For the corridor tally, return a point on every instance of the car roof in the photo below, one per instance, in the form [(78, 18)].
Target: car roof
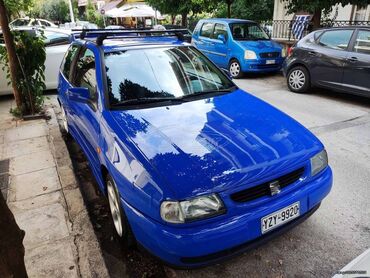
[(228, 20), (344, 27)]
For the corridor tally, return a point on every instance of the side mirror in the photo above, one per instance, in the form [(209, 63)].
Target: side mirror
[(221, 38), (79, 94)]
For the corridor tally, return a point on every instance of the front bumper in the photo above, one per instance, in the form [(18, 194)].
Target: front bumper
[(260, 65), (209, 242)]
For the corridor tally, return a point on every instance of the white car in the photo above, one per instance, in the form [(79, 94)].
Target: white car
[(56, 44), (31, 22)]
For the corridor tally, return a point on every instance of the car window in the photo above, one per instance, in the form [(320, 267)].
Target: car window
[(56, 38), (85, 75), (362, 43), (20, 22), (206, 30), (68, 59), (45, 23), (248, 31), (35, 22), (220, 29), (166, 72), (336, 39)]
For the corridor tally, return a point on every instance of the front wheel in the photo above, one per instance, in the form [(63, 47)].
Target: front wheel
[(120, 221), (298, 80), (235, 69)]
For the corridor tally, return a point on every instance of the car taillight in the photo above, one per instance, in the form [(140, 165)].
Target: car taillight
[(290, 51)]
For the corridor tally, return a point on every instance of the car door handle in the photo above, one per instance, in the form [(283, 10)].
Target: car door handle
[(352, 59), (312, 53)]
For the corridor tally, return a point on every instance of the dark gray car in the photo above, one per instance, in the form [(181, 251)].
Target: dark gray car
[(335, 58)]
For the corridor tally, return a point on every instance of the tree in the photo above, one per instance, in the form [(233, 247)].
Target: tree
[(183, 7), (316, 7), (258, 10), (10, 47), (228, 3), (51, 10)]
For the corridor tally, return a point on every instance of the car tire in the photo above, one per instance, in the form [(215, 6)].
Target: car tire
[(298, 80), (235, 69), (64, 119), (120, 222)]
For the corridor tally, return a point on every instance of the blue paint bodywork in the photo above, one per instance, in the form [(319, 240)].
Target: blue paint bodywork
[(221, 144), (221, 53)]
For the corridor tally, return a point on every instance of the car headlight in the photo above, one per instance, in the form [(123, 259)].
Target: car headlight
[(319, 162), (250, 55), (283, 52), (193, 209)]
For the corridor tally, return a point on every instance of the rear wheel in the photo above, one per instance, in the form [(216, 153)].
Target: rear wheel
[(64, 120), (235, 69), (298, 80), (120, 221)]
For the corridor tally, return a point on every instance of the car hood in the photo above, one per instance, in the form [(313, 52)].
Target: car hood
[(216, 144), (260, 46)]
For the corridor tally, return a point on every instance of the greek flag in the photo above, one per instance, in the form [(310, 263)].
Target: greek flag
[(299, 25)]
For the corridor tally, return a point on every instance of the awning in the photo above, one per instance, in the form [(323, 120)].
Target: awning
[(133, 10), (111, 5)]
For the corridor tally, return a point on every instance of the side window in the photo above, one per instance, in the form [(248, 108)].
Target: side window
[(362, 43), (85, 75), (337, 39), (68, 59), (55, 38), (45, 23), (206, 30), (220, 29)]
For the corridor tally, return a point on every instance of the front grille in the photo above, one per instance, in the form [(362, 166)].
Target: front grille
[(269, 54), (264, 189)]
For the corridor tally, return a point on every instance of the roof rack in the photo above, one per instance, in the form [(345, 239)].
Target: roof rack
[(103, 34)]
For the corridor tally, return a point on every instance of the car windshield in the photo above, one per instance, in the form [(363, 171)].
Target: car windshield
[(162, 73), (248, 31), (20, 22)]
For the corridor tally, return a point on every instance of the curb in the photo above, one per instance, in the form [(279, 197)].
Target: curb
[(89, 256)]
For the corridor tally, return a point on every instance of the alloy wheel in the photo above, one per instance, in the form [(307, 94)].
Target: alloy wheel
[(297, 79), (115, 209)]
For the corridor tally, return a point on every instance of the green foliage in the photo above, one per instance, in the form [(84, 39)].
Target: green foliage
[(54, 10), (31, 55), (92, 15), (14, 7), (319, 5), (259, 10)]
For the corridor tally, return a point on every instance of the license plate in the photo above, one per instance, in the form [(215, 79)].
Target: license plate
[(279, 217), (269, 62)]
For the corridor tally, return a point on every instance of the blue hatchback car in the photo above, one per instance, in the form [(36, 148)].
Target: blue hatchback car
[(238, 45), (194, 168)]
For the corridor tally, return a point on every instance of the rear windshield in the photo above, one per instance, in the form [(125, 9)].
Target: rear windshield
[(164, 72), (248, 32)]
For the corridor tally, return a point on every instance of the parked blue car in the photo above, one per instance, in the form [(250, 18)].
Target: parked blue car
[(238, 45), (194, 168)]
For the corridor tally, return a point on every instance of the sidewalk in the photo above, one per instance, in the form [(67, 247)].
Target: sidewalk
[(44, 197)]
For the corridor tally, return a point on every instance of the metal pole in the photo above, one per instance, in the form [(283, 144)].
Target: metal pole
[(71, 11)]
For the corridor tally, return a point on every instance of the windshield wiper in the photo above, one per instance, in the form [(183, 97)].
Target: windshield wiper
[(137, 101), (213, 92)]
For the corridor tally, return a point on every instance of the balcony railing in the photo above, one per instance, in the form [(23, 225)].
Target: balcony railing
[(282, 29)]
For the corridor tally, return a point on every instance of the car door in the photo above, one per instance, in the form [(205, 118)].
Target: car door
[(204, 39), (357, 66), (218, 49), (86, 115), (326, 60), (56, 45)]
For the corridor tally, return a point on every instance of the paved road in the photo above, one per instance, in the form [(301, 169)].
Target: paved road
[(340, 229)]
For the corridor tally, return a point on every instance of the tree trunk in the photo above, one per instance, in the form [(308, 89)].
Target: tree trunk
[(10, 47), (316, 19), (228, 9), (184, 19), (11, 246)]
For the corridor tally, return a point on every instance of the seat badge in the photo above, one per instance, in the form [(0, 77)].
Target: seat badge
[(274, 188)]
